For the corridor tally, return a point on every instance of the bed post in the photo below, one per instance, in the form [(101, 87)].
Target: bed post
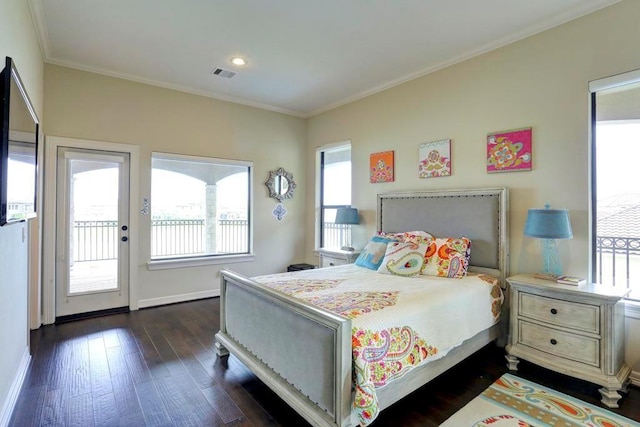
[(221, 351)]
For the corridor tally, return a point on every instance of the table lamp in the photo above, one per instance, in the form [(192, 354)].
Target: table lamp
[(347, 216), (549, 224)]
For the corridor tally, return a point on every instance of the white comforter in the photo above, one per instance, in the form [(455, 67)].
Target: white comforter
[(397, 322)]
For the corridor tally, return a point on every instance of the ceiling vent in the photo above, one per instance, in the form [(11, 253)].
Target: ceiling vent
[(223, 73)]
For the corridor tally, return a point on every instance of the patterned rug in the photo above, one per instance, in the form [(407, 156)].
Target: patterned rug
[(512, 401)]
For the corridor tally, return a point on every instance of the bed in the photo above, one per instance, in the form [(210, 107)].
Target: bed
[(303, 350)]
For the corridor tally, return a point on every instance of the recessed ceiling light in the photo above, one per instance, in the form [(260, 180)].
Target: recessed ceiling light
[(238, 60)]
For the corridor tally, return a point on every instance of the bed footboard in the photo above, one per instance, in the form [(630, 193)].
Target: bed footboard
[(313, 373)]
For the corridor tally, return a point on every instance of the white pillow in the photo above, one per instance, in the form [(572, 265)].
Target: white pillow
[(403, 259)]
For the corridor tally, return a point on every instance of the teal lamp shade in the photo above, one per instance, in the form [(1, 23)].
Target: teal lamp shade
[(548, 225), (347, 216)]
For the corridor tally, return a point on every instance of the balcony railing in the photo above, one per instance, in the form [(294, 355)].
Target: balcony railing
[(95, 240), (336, 235), (231, 236), (98, 240), (618, 262), (177, 237)]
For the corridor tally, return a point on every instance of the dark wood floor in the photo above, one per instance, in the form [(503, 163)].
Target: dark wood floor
[(157, 367)]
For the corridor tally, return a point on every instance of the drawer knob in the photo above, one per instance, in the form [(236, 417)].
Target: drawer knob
[(554, 311), (331, 264), (553, 341)]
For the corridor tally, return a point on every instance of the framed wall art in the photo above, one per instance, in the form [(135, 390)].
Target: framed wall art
[(509, 151), (435, 159), (381, 167)]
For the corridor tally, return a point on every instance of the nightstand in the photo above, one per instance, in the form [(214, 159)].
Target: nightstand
[(574, 330), (331, 257)]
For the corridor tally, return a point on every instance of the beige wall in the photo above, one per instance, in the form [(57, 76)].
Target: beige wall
[(17, 40), (91, 106), (541, 82)]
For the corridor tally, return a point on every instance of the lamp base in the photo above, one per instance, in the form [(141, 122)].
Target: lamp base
[(551, 263)]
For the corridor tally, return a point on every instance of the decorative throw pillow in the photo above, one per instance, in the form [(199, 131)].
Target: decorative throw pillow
[(403, 259), (447, 257), (416, 237), (372, 255), (393, 236)]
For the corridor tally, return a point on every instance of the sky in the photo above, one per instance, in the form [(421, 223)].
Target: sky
[(618, 155), (337, 184)]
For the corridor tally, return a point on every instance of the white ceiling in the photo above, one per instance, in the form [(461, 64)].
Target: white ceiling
[(305, 56)]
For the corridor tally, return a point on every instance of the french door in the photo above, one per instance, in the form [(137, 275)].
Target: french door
[(92, 233)]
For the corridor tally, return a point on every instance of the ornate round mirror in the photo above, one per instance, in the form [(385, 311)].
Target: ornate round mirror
[(280, 184)]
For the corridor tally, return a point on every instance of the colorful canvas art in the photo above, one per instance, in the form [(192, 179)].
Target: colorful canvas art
[(509, 151), (435, 159), (381, 167)]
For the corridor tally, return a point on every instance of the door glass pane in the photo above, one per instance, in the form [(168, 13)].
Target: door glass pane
[(93, 224)]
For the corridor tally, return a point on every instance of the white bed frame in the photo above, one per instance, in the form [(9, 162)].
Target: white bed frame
[(303, 352)]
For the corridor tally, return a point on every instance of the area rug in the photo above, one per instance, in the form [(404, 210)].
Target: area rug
[(512, 401)]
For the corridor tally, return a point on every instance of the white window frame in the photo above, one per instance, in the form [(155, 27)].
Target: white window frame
[(212, 259), (632, 308), (318, 187)]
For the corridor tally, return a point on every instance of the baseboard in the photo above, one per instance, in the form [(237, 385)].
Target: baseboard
[(14, 391), (635, 378), (152, 302), (91, 314)]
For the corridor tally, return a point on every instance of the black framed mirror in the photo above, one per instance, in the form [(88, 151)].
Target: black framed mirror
[(18, 149)]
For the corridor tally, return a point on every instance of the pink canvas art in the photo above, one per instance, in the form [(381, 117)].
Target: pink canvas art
[(509, 151)]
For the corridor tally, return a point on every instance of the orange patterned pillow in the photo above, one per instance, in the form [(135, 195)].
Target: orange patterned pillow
[(447, 257)]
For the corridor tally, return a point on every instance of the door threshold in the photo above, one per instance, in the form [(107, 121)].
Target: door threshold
[(91, 314)]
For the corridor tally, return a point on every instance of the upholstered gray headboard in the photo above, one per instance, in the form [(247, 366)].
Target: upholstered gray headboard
[(479, 214)]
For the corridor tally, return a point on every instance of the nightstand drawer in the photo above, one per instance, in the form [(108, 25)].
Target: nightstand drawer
[(583, 317), (564, 344), (327, 261), (331, 257)]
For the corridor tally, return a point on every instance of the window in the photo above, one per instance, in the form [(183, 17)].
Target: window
[(334, 166), (200, 207), (615, 194)]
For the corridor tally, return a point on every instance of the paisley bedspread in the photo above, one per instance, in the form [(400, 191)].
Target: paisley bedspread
[(397, 322)]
